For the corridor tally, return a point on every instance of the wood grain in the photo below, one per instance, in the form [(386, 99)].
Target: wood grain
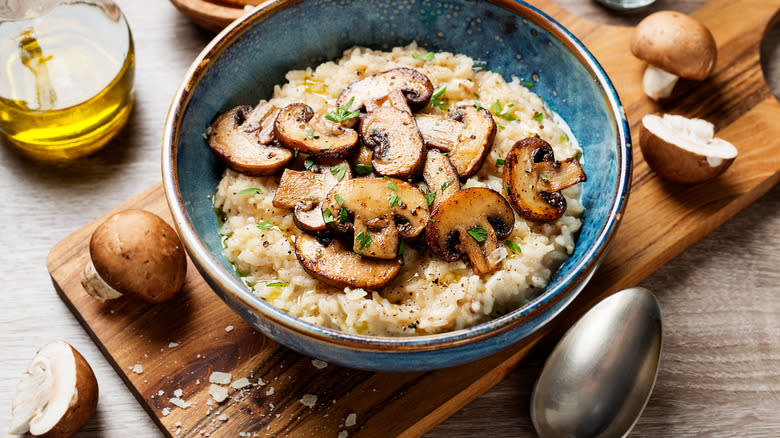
[(411, 403)]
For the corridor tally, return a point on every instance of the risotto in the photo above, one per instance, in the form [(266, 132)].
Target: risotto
[(428, 295)]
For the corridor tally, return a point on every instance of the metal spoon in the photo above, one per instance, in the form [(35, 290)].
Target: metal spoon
[(599, 377)]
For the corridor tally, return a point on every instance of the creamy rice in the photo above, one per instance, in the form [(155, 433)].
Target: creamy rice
[(429, 295)]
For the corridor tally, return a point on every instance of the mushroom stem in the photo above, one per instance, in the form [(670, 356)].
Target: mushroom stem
[(658, 83), (95, 285)]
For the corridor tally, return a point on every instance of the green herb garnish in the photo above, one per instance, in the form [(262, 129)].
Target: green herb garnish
[(544, 178), (250, 191), (513, 246), (528, 84), (578, 155), (496, 107), (436, 98), (308, 163), (478, 105), (363, 169), (538, 117), (401, 248), (277, 284), (339, 199), (265, 225), (424, 56), (392, 186), (338, 171), (446, 184), (363, 240), (327, 216), (429, 197), (394, 199), (343, 113), (343, 216), (309, 134), (500, 162), (478, 233)]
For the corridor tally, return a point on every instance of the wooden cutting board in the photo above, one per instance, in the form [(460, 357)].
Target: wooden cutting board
[(179, 344)]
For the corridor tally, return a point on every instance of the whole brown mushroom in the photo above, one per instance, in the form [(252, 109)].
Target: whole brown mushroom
[(135, 253), (674, 45)]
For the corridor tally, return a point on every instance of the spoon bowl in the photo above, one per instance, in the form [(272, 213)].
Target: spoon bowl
[(599, 377)]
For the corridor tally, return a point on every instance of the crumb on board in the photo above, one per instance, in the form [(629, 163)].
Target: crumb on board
[(219, 393), (319, 364), (137, 368), (220, 378), (308, 400), (351, 420)]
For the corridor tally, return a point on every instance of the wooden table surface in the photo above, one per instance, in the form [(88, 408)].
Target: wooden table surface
[(720, 373)]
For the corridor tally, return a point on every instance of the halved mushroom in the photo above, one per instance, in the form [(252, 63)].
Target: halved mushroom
[(398, 147), (378, 211), (674, 45), (440, 176), (470, 222), (57, 395), (336, 265), (304, 191), (534, 179), (684, 150), (298, 127), (467, 134), (415, 87), (243, 138)]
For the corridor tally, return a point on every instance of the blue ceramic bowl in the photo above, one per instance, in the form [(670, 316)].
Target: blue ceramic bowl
[(244, 62)]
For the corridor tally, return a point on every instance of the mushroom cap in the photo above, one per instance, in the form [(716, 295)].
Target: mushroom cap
[(298, 127), (57, 395), (415, 87), (470, 222), (337, 265), (533, 179), (677, 43), (684, 150), (398, 147), (140, 255), (243, 139)]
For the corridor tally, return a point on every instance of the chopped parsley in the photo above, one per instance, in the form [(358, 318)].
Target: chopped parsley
[(392, 186), (478, 233), (578, 156), (277, 284), (424, 56), (528, 84), (436, 99), (446, 184), (496, 107), (538, 117), (500, 162), (363, 169), (544, 178), (265, 225), (478, 105), (339, 199), (513, 246), (401, 248), (309, 134), (327, 216), (394, 199), (343, 113), (338, 171), (429, 197), (250, 191), (363, 240), (343, 216), (308, 163)]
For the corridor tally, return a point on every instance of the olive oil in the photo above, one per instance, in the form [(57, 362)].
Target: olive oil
[(66, 82)]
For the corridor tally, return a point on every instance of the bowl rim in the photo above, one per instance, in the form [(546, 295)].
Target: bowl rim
[(569, 284)]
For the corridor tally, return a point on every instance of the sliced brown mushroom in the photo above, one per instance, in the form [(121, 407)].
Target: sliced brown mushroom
[(533, 179), (415, 87), (467, 134), (304, 191), (243, 138), (336, 265), (298, 127), (398, 148), (470, 222), (440, 176), (378, 211)]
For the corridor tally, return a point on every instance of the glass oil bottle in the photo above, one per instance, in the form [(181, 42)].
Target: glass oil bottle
[(66, 76)]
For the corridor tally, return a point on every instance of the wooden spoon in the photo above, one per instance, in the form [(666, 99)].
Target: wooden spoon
[(213, 15)]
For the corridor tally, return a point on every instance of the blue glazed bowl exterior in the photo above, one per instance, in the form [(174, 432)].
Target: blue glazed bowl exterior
[(244, 62)]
